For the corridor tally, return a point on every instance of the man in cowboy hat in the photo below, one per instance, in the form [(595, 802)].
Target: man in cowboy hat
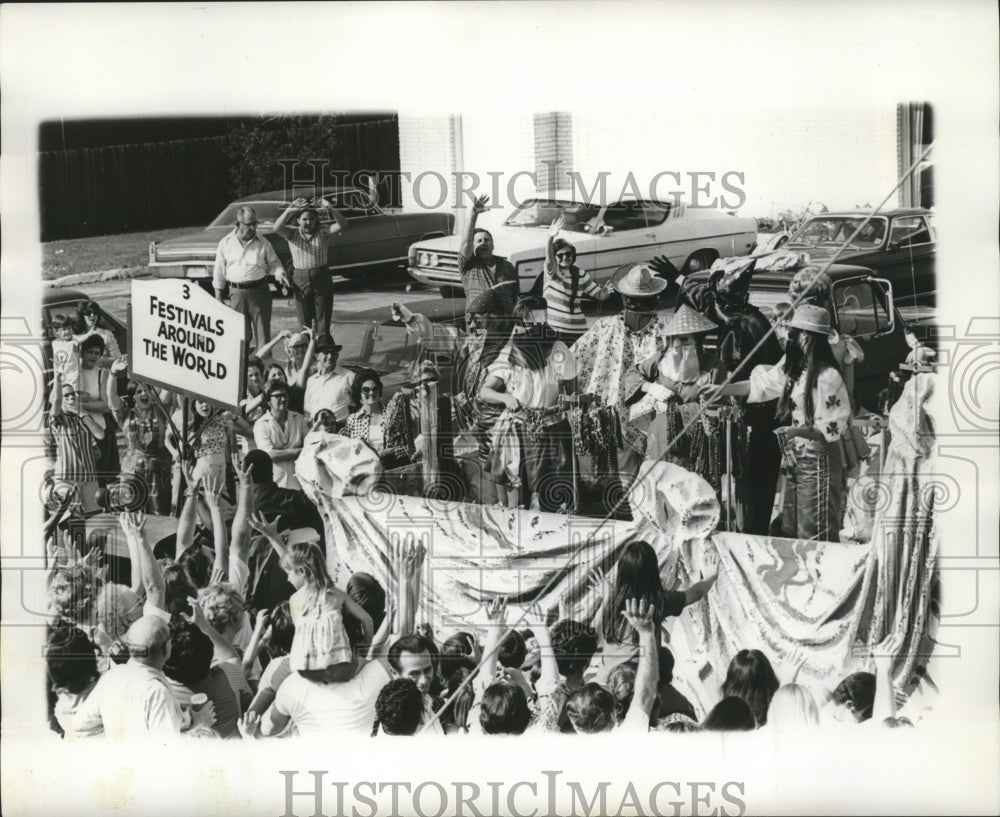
[(746, 340), (607, 354), (327, 388)]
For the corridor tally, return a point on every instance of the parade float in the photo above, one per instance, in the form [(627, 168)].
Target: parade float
[(815, 608)]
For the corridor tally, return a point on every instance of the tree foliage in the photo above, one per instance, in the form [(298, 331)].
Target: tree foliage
[(261, 152)]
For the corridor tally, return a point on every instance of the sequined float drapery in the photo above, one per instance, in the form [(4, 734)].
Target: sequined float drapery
[(818, 604)]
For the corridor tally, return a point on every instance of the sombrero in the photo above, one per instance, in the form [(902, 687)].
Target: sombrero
[(637, 281), (686, 321)]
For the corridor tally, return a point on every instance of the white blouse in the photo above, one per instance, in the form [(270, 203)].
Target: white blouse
[(831, 404)]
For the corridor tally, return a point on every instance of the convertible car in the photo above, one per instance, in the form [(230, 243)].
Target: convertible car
[(373, 239), (605, 236)]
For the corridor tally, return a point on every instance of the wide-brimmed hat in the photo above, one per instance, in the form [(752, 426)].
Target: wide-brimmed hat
[(811, 318), (487, 302), (637, 281), (687, 321), (531, 303), (326, 344)]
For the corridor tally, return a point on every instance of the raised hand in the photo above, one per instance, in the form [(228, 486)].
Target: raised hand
[(132, 523), (710, 571), (204, 716), (213, 487), (662, 266), (249, 725), (263, 619), (197, 615), (120, 365), (496, 611), (884, 653), (265, 528), (301, 202), (480, 203), (556, 226), (639, 613)]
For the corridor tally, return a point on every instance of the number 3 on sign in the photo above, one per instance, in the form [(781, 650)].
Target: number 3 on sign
[(187, 291)]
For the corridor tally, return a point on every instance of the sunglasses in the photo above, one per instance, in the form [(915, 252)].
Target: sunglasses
[(564, 255), (369, 391)]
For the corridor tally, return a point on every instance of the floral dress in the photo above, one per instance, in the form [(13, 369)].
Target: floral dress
[(211, 444), (812, 459), (146, 456)]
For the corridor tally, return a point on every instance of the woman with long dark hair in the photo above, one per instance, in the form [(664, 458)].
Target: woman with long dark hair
[(751, 677), (814, 409), (637, 576)]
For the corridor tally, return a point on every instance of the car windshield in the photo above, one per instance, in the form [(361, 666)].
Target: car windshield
[(542, 212), (267, 213), (838, 229), (351, 204)]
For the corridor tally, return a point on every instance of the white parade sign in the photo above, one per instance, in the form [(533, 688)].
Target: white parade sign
[(183, 339)]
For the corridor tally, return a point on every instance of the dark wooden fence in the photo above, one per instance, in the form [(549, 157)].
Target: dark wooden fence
[(127, 188)]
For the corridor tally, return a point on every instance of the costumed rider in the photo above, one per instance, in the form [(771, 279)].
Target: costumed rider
[(530, 459), (815, 408), (606, 356), (746, 340), (674, 377)]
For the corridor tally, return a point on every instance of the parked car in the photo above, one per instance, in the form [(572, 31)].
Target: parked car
[(374, 238), (373, 339), (898, 245), (58, 301), (605, 236)]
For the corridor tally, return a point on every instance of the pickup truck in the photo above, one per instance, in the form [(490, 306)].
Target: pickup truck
[(863, 307)]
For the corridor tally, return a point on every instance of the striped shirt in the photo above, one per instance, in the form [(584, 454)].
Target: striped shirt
[(563, 310), (309, 253), (477, 277), (74, 448)]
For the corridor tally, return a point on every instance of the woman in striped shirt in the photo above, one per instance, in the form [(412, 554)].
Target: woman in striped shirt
[(565, 284)]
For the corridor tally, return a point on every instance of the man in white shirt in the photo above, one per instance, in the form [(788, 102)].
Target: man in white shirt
[(134, 699), (327, 388), (243, 260), (321, 709), (280, 433)]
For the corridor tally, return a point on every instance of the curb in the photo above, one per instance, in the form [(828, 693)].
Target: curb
[(121, 274)]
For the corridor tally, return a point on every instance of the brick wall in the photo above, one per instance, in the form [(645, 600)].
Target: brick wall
[(553, 150), (425, 145)]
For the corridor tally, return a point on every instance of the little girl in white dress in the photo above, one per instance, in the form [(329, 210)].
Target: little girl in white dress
[(317, 608)]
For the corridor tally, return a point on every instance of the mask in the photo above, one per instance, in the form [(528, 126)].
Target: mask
[(680, 363)]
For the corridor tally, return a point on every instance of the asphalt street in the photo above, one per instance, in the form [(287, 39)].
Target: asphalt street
[(349, 298)]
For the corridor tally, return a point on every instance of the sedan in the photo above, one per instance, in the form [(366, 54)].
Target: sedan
[(374, 238), (606, 236)]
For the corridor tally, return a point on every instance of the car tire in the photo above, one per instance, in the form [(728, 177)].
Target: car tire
[(705, 259)]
